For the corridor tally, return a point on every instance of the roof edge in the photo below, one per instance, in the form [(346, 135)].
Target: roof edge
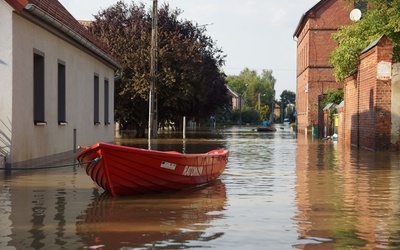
[(371, 45), (301, 23), (38, 12), (17, 5)]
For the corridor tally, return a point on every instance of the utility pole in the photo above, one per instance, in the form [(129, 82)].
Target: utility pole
[(271, 116), (153, 116)]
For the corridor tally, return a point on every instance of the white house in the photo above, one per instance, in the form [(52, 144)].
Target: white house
[(57, 83)]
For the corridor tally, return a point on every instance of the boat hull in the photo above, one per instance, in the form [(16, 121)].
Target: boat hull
[(266, 129), (122, 170)]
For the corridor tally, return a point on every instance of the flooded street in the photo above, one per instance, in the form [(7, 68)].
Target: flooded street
[(277, 192)]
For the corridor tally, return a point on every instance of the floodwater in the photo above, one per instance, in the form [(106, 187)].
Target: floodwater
[(277, 192)]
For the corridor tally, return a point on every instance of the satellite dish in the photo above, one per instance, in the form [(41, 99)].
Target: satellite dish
[(355, 15)]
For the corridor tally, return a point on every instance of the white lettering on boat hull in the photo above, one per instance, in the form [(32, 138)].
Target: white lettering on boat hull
[(192, 171)]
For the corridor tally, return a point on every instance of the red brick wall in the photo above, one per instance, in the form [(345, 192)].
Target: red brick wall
[(383, 100), (367, 125), (348, 125), (367, 110), (314, 74), (341, 127)]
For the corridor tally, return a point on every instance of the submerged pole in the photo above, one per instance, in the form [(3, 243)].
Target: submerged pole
[(184, 127), (153, 116)]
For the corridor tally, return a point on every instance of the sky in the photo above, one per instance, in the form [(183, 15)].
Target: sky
[(254, 34)]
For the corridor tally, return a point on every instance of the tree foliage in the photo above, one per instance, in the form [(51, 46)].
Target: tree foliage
[(287, 97), (246, 115), (333, 96), (257, 90), (381, 18), (189, 80)]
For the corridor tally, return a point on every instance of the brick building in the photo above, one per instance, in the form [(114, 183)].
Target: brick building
[(370, 116), (314, 74)]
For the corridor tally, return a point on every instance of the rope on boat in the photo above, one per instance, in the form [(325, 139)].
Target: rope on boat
[(55, 166)]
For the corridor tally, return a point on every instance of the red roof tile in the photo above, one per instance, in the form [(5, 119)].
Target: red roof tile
[(18, 5), (58, 11)]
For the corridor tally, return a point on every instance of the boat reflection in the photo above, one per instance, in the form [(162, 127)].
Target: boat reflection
[(167, 220)]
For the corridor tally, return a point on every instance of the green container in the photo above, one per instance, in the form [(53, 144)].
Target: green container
[(314, 131)]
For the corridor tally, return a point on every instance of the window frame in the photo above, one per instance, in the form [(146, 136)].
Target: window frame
[(61, 93), (39, 85)]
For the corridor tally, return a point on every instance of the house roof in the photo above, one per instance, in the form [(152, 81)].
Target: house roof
[(231, 92), (306, 16), (329, 106), (54, 13), (17, 5), (371, 45)]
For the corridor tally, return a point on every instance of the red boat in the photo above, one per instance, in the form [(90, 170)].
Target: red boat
[(122, 170)]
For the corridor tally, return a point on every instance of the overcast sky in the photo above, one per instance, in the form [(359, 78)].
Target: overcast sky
[(257, 34)]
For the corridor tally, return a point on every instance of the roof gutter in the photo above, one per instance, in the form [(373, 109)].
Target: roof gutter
[(299, 26), (77, 37)]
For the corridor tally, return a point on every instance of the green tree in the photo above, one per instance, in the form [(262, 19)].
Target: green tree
[(287, 97), (248, 116), (381, 18), (333, 96), (189, 80), (257, 90)]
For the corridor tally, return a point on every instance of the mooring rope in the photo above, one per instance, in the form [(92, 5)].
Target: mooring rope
[(55, 166)]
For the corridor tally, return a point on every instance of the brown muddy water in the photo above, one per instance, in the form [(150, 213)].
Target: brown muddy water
[(277, 192)]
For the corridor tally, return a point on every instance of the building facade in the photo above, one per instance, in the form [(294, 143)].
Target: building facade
[(314, 74), (57, 88), (370, 116)]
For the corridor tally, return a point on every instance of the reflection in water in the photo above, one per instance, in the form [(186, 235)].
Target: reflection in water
[(277, 192), (195, 142), (5, 212), (169, 220), (347, 198), (41, 207)]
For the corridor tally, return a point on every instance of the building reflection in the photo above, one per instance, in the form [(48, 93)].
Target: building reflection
[(41, 207), (343, 197), (5, 212)]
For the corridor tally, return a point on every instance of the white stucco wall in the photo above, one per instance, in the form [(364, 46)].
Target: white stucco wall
[(30, 141), (6, 63)]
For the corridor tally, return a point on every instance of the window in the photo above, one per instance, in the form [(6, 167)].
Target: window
[(96, 100), (38, 88), (106, 102), (61, 94)]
